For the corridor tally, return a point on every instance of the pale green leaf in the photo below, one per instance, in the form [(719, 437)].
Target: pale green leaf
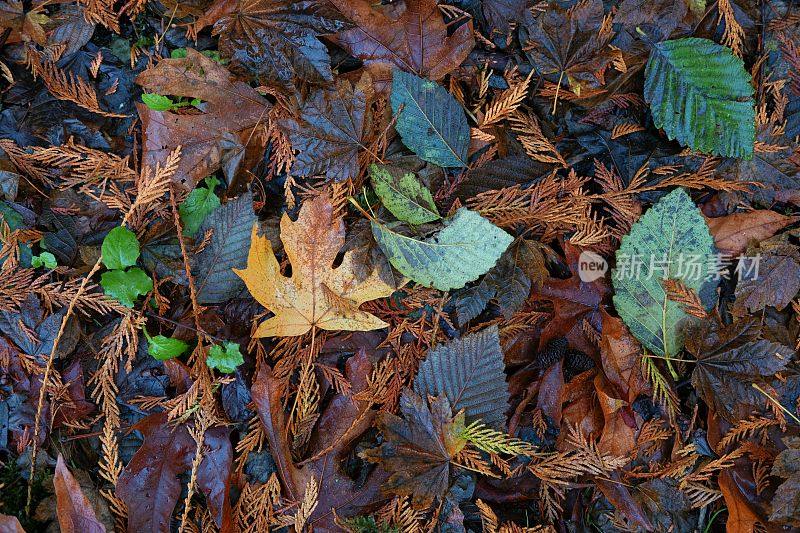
[(200, 203), (431, 121), (700, 94), (225, 357), (671, 240), (467, 247), (164, 348), (403, 195)]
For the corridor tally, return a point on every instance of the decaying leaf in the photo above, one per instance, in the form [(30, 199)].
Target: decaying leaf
[(786, 502), (418, 448), (316, 294), (411, 36), (733, 233), (222, 133), (74, 511)]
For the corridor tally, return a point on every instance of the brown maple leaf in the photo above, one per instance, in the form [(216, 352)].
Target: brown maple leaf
[(418, 448), (316, 294), (415, 39), (221, 135)]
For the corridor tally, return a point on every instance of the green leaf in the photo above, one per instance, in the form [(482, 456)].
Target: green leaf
[(431, 122), (200, 203), (44, 259), (467, 247), (403, 195), (120, 248), (700, 94), (157, 102), (225, 357), (470, 372), (126, 286), (671, 240), (163, 348)]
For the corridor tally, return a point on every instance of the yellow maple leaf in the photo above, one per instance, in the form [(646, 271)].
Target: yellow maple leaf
[(316, 294)]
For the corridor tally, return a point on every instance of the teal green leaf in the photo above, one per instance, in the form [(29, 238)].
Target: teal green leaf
[(674, 234), (200, 203), (403, 195), (44, 259), (700, 94), (120, 248), (157, 102), (126, 286), (10, 216), (431, 122), (225, 357), (163, 348), (467, 247)]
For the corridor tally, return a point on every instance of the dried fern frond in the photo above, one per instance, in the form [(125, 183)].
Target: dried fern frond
[(307, 505), (662, 391), (625, 128), (504, 106), (255, 510), (100, 12), (535, 143), (677, 291), (733, 36)]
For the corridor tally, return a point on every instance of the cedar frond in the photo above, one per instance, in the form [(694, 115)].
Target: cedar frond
[(701, 495), (489, 520), (493, 441), (506, 104), (625, 128), (307, 505), (733, 36), (686, 297), (662, 392), (14, 287), (65, 85), (100, 12), (746, 430), (535, 143), (255, 510), (471, 459)]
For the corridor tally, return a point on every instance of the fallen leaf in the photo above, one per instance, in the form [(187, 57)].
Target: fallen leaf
[(149, 483), (620, 357), (733, 233), (469, 372), (774, 281), (786, 502), (75, 513), (417, 450), (729, 361), (316, 294), (330, 132), (412, 37), (10, 524), (225, 129)]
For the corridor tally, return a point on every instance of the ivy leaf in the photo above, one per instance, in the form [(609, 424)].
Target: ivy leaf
[(200, 203), (230, 225), (329, 132), (415, 40), (316, 294), (431, 122), (729, 360), (669, 236), (120, 248), (403, 195), (225, 357), (700, 94), (470, 372), (164, 348), (467, 247), (126, 286), (44, 259)]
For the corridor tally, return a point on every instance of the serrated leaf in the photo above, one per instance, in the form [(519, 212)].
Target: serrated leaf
[(670, 236), (431, 122), (467, 247), (157, 102), (700, 94), (403, 195), (200, 203), (225, 357), (231, 225), (470, 372), (126, 286), (44, 259), (120, 248)]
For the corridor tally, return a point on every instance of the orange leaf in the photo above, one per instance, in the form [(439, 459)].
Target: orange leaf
[(732, 233), (316, 294)]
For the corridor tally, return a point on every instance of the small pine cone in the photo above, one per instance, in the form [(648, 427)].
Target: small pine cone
[(552, 353), (576, 362)]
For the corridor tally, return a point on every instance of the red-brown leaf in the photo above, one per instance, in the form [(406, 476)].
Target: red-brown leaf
[(732, 233), (74, 511)]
